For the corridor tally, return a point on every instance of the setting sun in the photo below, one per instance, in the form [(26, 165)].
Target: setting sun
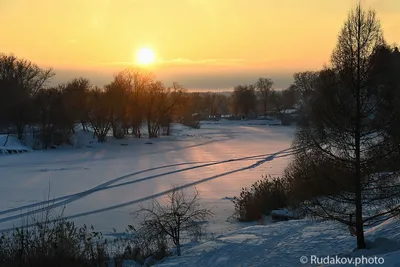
[(145, 56)]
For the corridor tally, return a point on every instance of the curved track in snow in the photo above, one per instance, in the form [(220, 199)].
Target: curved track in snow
[(222, 157)]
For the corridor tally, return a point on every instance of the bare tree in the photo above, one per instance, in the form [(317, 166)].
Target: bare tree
[(244, 99), (181, 216), (51, 114), (129, 87), (263, 88), (74, 95), (99, 113), (213, 102), (20, 80), (282, 102), (344, 147), (160, 103), (305, 82)]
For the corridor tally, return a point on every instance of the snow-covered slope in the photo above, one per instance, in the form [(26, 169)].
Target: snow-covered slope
[(12, 143), (284, 244)]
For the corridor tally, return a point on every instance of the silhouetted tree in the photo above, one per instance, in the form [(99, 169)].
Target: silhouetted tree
[(99, 113), (160, 105), (305, 82), (282, 101), (120, 101), (244, 99), (74, 97), (180, 217), (344, 146), (214, 101), (53, 116), (263, 89), (20, 80), (385, 66)]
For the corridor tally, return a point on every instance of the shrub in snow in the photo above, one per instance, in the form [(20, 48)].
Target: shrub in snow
[(191, 122), (180, 217), (262, 197), (283, 214), (45, 240), (53, 243), (139, 248)]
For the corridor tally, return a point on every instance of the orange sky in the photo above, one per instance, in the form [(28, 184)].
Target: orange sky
[(207, 44)]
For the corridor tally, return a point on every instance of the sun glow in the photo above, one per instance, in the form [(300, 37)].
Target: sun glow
[(145, 56)]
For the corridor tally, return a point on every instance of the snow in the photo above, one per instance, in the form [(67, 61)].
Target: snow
[(284, 213), (101, 184), (13, 144), (282, 244), (391, 259)]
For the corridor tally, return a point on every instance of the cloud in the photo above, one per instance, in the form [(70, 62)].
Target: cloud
[(212, 61), (225, 80), (209, 79), (180, 62), (114, 63)]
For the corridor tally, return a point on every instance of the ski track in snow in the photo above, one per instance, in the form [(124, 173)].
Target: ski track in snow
[(219, 136), (278, 244), (145, 153), (104, 186)]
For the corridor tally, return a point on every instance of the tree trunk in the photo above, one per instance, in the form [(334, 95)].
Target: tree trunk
[(101, 138), (114, 129), (8, 135), (149, 129), (178, 232), (83, 126), (265, 110), (178, 248), (357, 138), (169, 124), (20, 130)]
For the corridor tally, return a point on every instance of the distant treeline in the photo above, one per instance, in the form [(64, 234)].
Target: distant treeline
[(132, 99)]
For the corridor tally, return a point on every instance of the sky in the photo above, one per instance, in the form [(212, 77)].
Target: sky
[(202, 44)]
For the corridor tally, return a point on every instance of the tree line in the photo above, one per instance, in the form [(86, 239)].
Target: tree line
[(28, 103)]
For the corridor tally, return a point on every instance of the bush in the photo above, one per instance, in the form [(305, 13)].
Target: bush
[(262, 197), (181, 216), (57, 243), (191, 122), (46, 242)]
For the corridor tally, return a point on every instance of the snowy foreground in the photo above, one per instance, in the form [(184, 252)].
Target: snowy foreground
[(101, 184), (287, 244)]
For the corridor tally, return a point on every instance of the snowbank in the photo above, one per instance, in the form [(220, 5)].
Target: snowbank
[(285, 243), (284, 213), (13, 145)]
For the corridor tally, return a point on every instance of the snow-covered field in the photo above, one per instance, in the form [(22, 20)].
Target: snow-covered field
[(101, 184)]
